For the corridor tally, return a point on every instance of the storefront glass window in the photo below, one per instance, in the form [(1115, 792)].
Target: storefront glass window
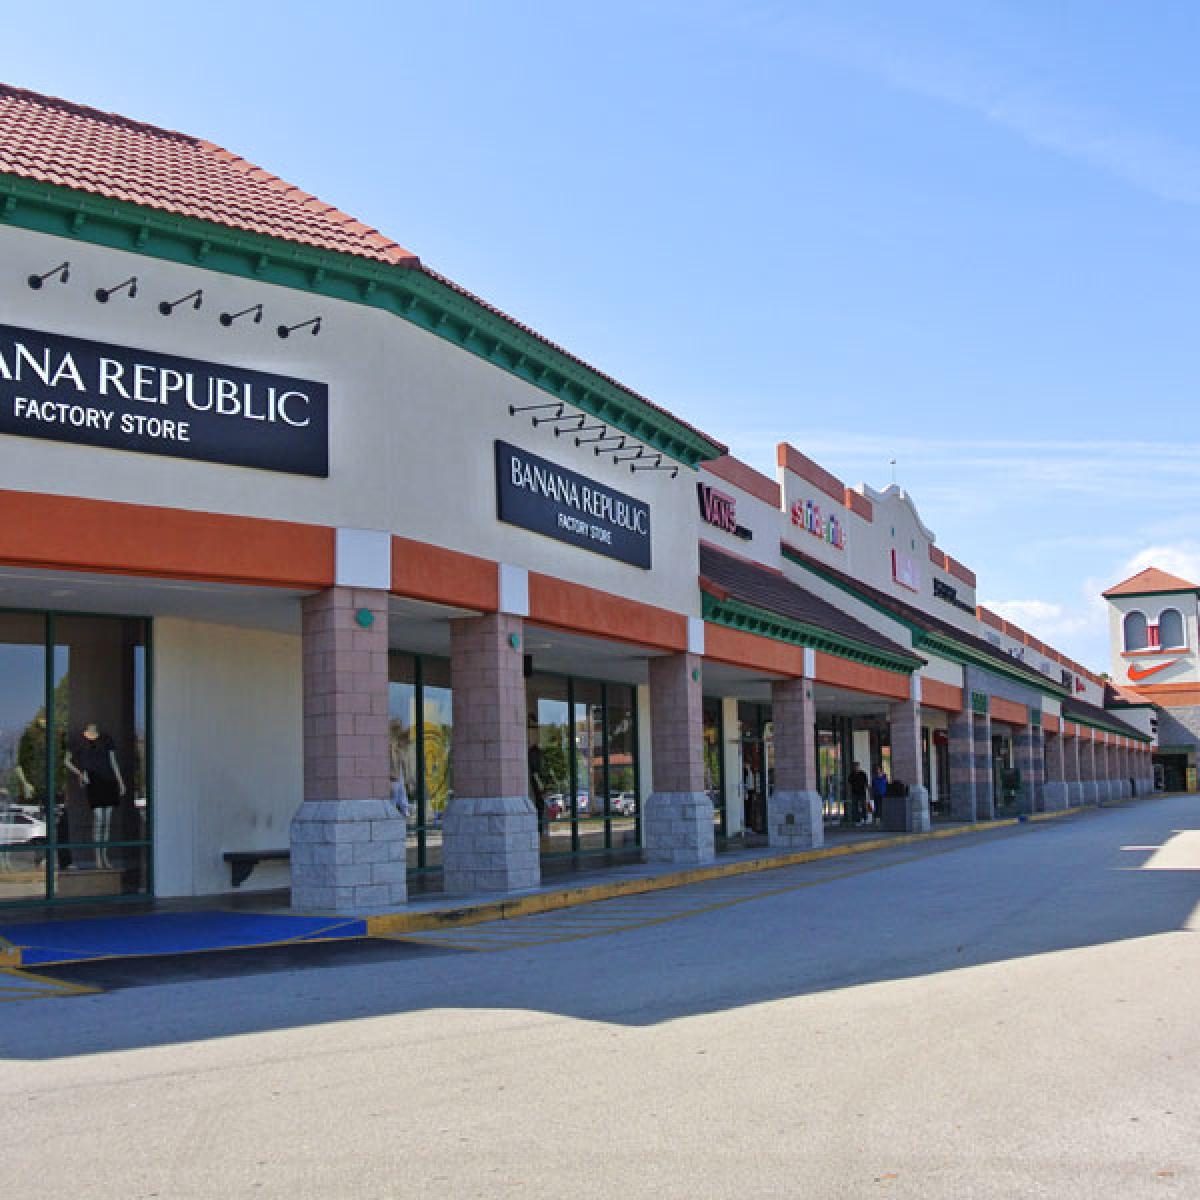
[(25, 809), (583, 764), (420, 730), (74, 798), (714, 763)]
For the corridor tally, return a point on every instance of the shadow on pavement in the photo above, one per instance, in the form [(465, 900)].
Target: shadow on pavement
[(1064, 885)]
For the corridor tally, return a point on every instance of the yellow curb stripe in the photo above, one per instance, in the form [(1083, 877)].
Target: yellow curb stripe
[(519, 906), (49, 986)]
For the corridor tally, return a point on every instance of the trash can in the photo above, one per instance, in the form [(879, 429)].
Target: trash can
[(895, 808)]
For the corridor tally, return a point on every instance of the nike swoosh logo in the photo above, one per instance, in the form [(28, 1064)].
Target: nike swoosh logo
[(1137, 674)]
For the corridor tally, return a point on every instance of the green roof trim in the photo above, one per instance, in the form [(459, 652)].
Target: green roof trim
[(1188, 591), (1107, 727), (410, 293), (749, 618), (939, 644)]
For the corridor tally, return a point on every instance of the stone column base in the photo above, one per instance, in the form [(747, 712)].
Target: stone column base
[(490, 844), (1056, 797), (918, 810), (1091, 791), (678, 827), (1075, 794), (348, 856), (794, 821), (985, 805), (962, 802)]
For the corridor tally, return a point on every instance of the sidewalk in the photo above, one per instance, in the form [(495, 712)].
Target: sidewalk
[(209, 926)]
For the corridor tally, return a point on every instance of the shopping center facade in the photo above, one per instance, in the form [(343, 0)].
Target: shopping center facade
[(318, 571)]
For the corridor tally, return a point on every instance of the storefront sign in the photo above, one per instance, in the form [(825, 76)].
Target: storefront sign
[(94, 394), (807, 515), (944, 591), (904, 571), (719, 509), (548, 499)]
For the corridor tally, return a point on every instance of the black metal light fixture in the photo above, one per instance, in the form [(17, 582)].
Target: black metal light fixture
[(288, 330), (228, 319), (128, 286), (641, 453), (63, 271), (621, 440), (657, 465), (557, 405), (167, 307)]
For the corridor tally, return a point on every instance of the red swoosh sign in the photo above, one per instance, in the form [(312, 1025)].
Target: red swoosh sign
[(1137, 674)]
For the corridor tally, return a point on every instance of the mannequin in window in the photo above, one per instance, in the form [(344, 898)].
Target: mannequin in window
[(92, 759)]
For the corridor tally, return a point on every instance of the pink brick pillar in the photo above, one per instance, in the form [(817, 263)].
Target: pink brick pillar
[(1055, 793), (489, 832), (1073, 769), (348, 842), (794, 808), (905, 720), (678, 817)]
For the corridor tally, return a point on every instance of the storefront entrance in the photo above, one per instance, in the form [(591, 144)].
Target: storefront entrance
[(75, 804), (758, 763), (1006, 779), (583, 764)]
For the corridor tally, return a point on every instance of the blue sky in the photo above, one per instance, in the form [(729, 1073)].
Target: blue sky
[(963, 235)]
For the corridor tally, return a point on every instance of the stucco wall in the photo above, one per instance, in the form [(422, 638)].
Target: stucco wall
[(413, 420), (228, 760)]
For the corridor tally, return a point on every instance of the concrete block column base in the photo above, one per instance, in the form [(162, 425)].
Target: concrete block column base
[(1091, 791), (1056, 797), (348, 856), (490, 844), (1126, 788), (1075, 795), (794, 821), (678, 828), (917, 820)]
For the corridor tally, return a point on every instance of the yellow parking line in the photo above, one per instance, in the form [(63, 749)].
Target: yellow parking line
[(44, 987)]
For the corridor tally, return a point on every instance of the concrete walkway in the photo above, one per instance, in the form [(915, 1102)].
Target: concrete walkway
[(177, 928)]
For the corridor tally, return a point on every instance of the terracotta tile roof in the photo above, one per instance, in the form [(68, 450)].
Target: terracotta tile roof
[(55, 141), (70, 145), (740, 579), (1151, 580)]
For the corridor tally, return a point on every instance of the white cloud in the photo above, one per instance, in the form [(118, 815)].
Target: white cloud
[(1045, 620), (1024, 107), (1179, 558)]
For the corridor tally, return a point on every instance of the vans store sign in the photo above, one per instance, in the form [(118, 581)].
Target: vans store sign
[(540, 495), (94, 394)]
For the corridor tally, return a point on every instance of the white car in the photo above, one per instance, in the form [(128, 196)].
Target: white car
[(624, 803), (19, 826)]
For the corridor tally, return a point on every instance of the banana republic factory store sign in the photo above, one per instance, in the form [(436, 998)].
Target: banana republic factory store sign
[(542, 496), (70, 390)]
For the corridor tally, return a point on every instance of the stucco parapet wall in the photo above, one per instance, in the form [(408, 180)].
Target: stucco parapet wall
[(410, 292)]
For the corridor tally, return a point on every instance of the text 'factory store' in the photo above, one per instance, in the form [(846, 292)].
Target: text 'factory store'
[(318, 571)]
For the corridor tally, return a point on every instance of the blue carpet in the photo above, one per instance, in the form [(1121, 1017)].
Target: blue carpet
[(45, 942)]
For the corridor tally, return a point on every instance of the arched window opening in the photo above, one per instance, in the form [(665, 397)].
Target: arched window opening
[(1170, 628), (1136, 635)]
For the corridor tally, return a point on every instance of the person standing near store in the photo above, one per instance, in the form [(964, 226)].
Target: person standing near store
[(856, 783), (879, 787)]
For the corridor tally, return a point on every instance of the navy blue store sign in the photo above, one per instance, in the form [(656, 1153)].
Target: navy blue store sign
[(540, 495), (70, 390)]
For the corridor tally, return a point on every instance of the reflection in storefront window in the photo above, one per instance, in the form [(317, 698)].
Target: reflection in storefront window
[(714, 762), (74, 799), (420, 728), (583, 764)]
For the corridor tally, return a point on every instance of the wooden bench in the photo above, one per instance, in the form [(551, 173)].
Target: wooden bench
[(242, 862)]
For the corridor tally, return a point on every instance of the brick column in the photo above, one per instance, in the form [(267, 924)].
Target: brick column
[(905, 721), (348, 841), (1104, 770), (489, 830), (985, 799), (961, 756), (1072, 774), (1055, 795), (794, 810), (678, 817), (1028, 746), (1088, 766)]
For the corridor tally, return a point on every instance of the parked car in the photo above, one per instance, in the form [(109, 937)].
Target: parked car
[(624, 803), (17, 825)]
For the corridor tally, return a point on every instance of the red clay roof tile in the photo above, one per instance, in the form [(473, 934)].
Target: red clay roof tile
[(1151, 580), (55, 141)]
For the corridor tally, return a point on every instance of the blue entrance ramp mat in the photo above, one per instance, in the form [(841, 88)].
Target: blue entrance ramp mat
[(41, 943)]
